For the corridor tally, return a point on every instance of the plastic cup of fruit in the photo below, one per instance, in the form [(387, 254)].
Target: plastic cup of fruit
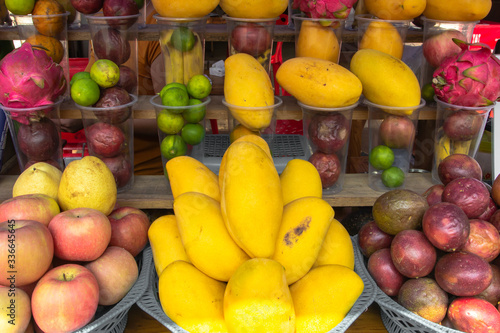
[(36, 134), (50, 33), (116, 38), (110, 136), (182, 42), (166, 132), (328, 131), (251, 36), (433, 28), (393, 128), (318, 38), (261, 119), (459, 130), (387, 36)]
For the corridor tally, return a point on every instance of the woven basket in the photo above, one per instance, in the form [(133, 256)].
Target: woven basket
[(113, 318), (395, 317), (150, 302)]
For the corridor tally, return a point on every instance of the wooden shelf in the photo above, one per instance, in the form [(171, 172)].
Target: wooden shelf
[(216, 110), (153, 192), (214, 33)]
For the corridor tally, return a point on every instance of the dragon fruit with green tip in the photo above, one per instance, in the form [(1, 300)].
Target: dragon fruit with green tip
[(470, 78), (30, 78), (328, 9)]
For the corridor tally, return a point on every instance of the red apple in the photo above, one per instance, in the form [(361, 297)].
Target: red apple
[(27, 250), (80, 234), (440, 46), (116, 272), (65, 299), (129, 229), (37, 207), (16, 310)]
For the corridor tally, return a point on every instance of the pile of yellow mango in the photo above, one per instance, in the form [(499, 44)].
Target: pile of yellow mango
[(252, 249)]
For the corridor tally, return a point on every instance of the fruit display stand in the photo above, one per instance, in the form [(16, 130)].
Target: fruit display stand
[(150, 192), (113, 319), (150, 303)]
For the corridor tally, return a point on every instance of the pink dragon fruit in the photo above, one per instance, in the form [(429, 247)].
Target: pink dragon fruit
[(29, 78), (333, 9), (470, 78)]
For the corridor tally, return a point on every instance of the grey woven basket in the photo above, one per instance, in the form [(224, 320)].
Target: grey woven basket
[(395, 317), (113, 318), (150, 302)]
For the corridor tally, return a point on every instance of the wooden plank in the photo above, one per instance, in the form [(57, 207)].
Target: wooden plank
[(153, 192), (214, 33), (216, 110)]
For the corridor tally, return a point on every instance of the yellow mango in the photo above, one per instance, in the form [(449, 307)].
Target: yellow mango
[(193, 300), (259, 141), (251, 199), (395, 9), (184, 8), (386, 80), (254, 8), (317, 41), (187, 174), (382, 36), (166, 243), (319, 83), (337, 248), (459, 10), (257, 299), (205, 237), (324, 296), (247, 84), (303, 228), (299, 179)]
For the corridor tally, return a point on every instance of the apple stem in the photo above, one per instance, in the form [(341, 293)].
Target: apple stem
[(64, 276)]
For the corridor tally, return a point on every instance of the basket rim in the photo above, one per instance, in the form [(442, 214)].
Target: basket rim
[(148, 302)]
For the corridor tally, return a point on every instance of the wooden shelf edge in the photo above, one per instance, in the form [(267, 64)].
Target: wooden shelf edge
[(214, 33), (216, 110), (153, 192)]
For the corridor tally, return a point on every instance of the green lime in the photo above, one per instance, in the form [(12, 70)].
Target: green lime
[(78, 76), (105, 72), (175, 97), (171, 85), (381, 157), (85, 92), (20, 7), (428, 92), (169, 122), (183, 39), (199, 86), (194, 114), (193, 134), (172, 146), (393, 177)]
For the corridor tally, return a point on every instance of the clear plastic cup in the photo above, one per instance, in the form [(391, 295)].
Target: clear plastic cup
[(448, 140), (387, 36), (318, 38), (435, 27), (115, 38), (110, 136), (328, 131), (36, 134), (391, 134), (170, 138), (253, 37), (48, 33), (182, 42)]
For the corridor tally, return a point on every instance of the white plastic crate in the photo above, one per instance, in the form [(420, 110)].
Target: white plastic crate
[(284, 147), (150, 302)]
